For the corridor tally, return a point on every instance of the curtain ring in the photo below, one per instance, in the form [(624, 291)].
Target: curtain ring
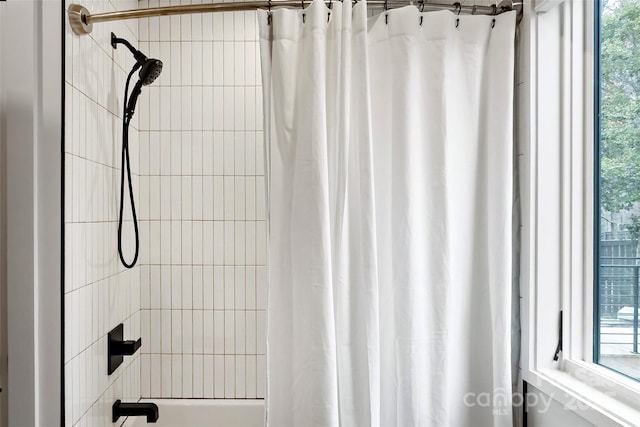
[(495, 9), (475, 7), (458, 10), (269, 12), (421, 6), (386, 15), (304, 20)]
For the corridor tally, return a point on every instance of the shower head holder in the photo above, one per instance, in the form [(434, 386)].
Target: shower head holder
[(150, 68)]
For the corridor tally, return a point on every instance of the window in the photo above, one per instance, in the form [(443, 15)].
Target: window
[(564, 180), (617, 210)]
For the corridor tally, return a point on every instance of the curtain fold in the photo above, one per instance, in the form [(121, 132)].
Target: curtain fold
[(389, 163)]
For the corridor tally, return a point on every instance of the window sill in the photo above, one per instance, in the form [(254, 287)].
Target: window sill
[(588, 391)]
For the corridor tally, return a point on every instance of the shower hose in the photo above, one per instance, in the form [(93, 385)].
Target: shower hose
[(126, 119)]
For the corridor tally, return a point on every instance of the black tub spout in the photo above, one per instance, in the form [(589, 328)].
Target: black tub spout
[(147, 409)]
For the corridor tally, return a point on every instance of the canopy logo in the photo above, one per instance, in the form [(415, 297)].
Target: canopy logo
[(502, 401)]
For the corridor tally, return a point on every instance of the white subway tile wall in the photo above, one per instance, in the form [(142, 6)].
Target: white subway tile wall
[(202, 208), (99, 293)]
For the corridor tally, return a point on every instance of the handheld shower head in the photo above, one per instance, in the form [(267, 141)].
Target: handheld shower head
[(151, 69)]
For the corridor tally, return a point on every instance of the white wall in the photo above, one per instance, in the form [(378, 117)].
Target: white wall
[(203, 274), (544, 411), (99, 292), (30, 98), (3, 247)]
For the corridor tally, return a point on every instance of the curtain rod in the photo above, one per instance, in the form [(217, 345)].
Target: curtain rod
[(81, 20)]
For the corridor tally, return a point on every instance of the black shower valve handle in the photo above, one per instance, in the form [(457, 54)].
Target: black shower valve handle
[(127, 348), (118, 347)]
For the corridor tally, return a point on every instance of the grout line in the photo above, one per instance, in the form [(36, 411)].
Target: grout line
[(244, 160), (95, 281), (193, 213), (235, 234), (202, 198), (178, 20)]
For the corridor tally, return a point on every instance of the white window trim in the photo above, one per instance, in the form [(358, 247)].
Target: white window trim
[(555, 99)]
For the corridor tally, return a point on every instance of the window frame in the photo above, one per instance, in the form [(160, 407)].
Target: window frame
[(557, 137), (597, 148)]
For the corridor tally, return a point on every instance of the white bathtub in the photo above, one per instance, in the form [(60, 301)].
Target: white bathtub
[(204, 413)]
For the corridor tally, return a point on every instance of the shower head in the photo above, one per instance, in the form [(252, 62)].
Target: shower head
[(150, 68)]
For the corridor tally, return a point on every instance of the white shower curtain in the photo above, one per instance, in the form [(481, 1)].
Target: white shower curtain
[(389, 171)]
